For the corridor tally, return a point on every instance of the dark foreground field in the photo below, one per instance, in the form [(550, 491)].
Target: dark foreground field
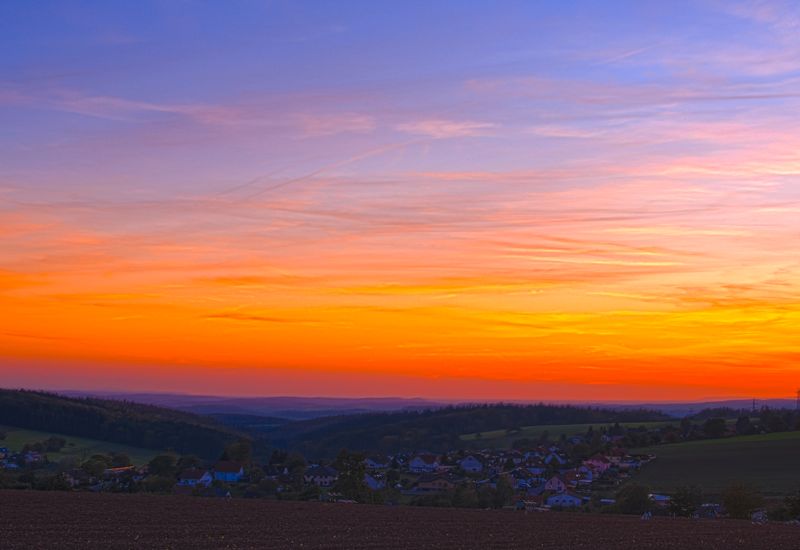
[(84, 520)]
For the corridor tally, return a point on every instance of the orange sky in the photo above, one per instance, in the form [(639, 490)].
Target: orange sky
[(620, 224)]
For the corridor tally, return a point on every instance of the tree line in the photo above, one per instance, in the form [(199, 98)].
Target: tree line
[(121, 422), (436, 430)]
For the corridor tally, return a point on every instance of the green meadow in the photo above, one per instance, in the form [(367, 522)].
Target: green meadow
[(769, 462), (504, 438), (79, 447)]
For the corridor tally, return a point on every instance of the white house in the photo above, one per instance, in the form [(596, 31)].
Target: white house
[(599, 463), (194, 477), (564, 500), (555, 457), (471, 465), (373, 483), (228, 471), (659, 500), (587, 474), (321, 476), (556, 485), (424, 463), (377, 462)]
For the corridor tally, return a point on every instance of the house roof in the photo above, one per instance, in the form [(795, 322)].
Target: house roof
[(561, 495), (228, 467), (599, 458), (321, 471), (427, 459), (431, 478), (193, 473), (119, 470)]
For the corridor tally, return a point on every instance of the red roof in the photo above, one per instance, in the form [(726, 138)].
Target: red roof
[(193, 473), (228, 467)]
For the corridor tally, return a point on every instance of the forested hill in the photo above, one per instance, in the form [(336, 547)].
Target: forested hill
[(115, 421), (435, 430)]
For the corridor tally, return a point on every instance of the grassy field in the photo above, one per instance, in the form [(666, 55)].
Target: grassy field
[(769, 462), (504, 438), (79, 447)]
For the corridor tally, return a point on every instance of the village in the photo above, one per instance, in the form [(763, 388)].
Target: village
[(546, 477)]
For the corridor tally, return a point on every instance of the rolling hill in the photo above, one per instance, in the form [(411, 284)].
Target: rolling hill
[(435, 430), (768, 462), (120, 422), (505, 438), (79, 447)]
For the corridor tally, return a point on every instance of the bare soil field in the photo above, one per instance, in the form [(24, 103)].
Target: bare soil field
[(83, 520)]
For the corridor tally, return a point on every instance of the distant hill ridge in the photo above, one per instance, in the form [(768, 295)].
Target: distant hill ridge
[(123, 422), (435, 429), (287, 407)]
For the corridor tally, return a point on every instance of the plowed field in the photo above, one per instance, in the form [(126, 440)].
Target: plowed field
[(83, 520)]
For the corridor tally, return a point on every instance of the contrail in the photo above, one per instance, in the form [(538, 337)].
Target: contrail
[(323, 169)]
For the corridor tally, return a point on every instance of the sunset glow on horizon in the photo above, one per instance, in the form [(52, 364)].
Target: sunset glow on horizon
[(465, 200)]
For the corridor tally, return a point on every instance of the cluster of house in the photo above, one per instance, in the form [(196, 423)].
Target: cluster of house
[(13, 461), (541, 477), (120, 478), (226, 471)]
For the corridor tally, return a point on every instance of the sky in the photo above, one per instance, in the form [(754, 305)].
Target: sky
[(556, 200)]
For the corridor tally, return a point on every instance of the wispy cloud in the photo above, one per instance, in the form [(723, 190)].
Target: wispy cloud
[(250, 317), (442, 128)]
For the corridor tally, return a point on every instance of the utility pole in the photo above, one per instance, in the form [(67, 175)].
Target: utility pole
[(797, 406)]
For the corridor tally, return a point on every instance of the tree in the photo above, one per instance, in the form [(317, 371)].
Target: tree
[(464, 497), (310, 492), (268, 486), (278, 457), (158, 484), (52, 483), (162, 465), (544, 439), (686, 501), (743, 425), (503, 493), (53, 444), (96, 465), (792, 503), (714, 427), (580, 451), (188, 461), (634, 499), (119, 460), (351, 476), (68, 463), (295, 464), (741, 500), (254, 474), (241, 451), (392, 477)]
